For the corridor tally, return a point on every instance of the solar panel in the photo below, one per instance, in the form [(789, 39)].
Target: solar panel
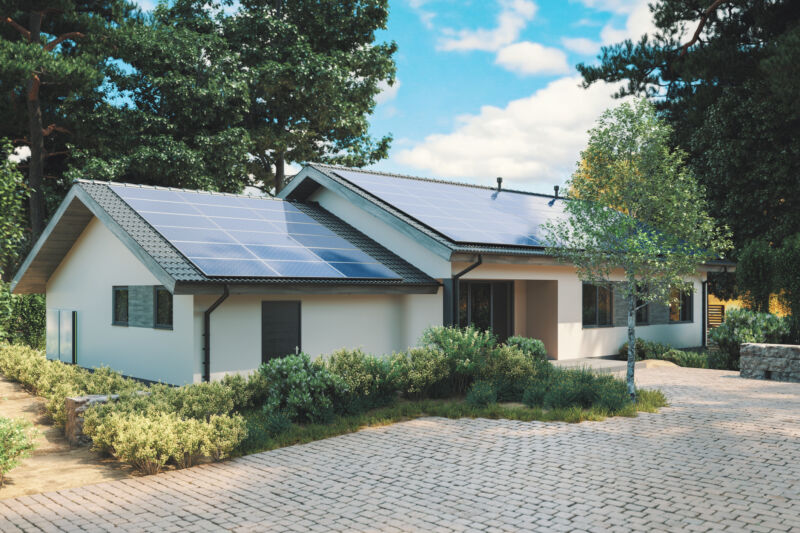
[(234, 236), (471, 215)]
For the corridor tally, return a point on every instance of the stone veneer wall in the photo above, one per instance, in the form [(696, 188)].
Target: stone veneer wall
[(780, 362)]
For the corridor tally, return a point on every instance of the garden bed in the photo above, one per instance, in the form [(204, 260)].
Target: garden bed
[(454, 373)]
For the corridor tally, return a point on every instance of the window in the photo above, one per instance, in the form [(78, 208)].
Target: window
[(642, 314), (487, 305), (120, 297), (598, 305), (680, 307), (163, 308)]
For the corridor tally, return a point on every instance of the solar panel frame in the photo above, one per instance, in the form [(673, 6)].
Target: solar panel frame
[(271, 249)]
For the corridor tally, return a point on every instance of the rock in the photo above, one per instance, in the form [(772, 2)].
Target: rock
[(75, 407), (780, 362)]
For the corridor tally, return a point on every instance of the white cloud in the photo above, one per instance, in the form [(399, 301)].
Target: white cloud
[(21, 153), (388, 92), (532, 58), (581, 45), (615, 6), (535, 140), (514, 16), (425, 16), (638, 23)]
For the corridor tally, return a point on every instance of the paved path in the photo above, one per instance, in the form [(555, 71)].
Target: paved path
[(723, 457)]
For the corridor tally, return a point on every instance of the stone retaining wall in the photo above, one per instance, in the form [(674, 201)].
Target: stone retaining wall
[(780, 362)]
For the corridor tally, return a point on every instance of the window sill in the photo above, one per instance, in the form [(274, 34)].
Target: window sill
[(591, 326), (168, 328), (122, 324), (681, 322)]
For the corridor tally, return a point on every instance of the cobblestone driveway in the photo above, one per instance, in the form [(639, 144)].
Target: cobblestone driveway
[(725, 456)]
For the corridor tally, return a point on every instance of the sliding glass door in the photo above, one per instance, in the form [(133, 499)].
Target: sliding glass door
[(487, 305)]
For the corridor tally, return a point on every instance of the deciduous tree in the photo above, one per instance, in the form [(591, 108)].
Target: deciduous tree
[(658, 231)]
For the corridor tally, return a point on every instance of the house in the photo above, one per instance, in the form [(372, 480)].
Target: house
[(183, 286)]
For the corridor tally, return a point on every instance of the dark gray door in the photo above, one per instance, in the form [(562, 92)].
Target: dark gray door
[(280, 329)]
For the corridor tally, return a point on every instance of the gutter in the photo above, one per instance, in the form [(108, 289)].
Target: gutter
[(207, 333), (455, 279)]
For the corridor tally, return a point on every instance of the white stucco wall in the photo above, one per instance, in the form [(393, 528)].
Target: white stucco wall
[(575, 341), (83, 282), (378, 324), (378, 230)]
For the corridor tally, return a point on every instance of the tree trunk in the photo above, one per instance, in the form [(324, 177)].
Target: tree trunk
[(36, 136), (631, 344), (280, 172)]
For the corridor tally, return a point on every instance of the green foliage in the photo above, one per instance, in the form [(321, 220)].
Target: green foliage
[(787, 279), (742, 326), (731, 100), (16, 443), (369, 380), (465, 349), (531, 347), (305, 391), (535, 392), (13, 194), (685, 359), (22, 318), (421, 373), (755, 272), (635, 206), (313, 70), (481, 394), (510, 370), (582, 388), (644, 350)]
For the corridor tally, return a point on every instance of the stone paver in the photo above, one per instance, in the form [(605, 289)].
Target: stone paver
[(722, 457)]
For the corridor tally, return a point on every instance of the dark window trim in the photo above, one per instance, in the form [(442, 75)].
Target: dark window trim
[(114, 321), (597, 308), (156, 325)]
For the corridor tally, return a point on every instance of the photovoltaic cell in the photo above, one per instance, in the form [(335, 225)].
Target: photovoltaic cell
[(233, 236), (469, 215)]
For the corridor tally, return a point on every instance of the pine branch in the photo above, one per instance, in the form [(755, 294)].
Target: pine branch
[(52, 127), (25, 33), (58, 40), (703, 19)]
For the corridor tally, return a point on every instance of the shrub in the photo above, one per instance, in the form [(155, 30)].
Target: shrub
[(224, 435), (534, 394), (146, 442), (481, 394), (464, 349), (421, 372), (200, 400), (22, 317), (510, 370), (16, 443), (277, 423), (305, 391), (612, 393), (686, 359), (369, 379), (584, 389), (644, 350), (741, 326), (533, 348)]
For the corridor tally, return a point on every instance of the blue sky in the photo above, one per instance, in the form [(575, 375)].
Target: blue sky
[(488, 88)]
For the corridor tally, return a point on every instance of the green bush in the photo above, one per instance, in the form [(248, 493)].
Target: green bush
[(22, 318), (481, 394), (369, 380), (535, 392), (686, 359), (742, 326), (305, 391), (199, 400), (150, 440), (644, 350), (531, 347), (421, 373), (16, 443), (510, 370), (464, 349), (612, 393)]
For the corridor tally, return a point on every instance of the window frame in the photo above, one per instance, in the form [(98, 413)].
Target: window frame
[(597, 324), (114, 291), (685, 303), (156, 324)]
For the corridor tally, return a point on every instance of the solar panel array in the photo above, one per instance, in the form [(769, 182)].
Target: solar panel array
[(464, 214), (238, 236)]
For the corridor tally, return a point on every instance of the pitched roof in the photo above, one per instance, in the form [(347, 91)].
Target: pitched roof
[(91, 198), (463, 218)]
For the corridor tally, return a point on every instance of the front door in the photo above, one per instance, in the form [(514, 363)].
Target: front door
[(487, 305), (280, 329)]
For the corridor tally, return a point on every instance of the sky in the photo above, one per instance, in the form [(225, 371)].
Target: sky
[(488, 88)]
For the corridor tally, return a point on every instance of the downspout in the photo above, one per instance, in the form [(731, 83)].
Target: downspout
[(207, 333), (456, 295), (704, 291)]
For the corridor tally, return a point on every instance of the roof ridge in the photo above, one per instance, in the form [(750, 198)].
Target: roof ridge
[(178, 189), (430, 180)]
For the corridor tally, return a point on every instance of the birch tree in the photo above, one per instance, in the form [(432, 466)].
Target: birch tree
[(635, 210)]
